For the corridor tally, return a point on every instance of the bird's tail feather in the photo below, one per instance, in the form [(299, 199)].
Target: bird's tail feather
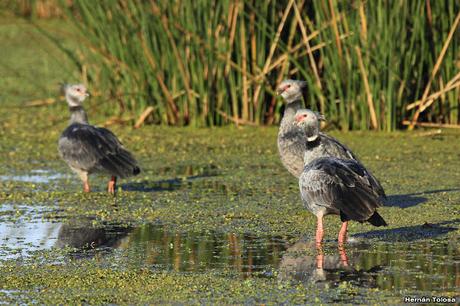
[(377, 220), (122, 164), (129, 163)]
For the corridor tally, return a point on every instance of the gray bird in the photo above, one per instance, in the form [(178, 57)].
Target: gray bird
[(325, 270), (331, 185), (321, 145), (293, 142), (291, 139), (88, 149)]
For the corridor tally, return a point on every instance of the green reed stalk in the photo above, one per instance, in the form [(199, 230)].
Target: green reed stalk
[(206, 63)]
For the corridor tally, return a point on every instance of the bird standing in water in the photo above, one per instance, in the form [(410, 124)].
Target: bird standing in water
[(331, 185), (293, 142), (88, 149)]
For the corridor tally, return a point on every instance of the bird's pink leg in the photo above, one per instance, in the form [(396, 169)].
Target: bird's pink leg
[(86, 187), (319, 231), (343, 233), (343, 255), (112, 184), (319, 257)]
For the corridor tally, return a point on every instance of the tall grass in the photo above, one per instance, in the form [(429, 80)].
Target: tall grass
[(206, 63), (33, 8)]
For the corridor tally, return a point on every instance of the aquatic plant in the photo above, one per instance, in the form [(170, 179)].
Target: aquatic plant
[(206, 63)]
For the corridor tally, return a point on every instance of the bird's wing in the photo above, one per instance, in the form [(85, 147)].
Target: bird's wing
[(96, 149), (316, 187), (337, 149), (330, 183), (366, 176)]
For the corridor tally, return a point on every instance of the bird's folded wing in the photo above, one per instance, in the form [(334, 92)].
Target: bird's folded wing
[(335, 185), (91, 148)]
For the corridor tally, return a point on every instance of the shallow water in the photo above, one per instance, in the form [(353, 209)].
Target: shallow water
[(23, 230), (35, 176), (225, 227), (421, 266)]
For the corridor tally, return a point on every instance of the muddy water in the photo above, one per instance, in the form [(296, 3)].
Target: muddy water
[(427, 266)]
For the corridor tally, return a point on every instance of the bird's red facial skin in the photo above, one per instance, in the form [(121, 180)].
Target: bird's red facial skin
[(283, 89), (301, 118)]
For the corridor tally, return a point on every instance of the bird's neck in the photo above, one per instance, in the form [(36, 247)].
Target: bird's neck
[(313, 141), (312, 134), (289, 112), (78, 115), (313, 150)]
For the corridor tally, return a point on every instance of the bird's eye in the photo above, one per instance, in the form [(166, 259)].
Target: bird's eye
[(78, 89), (305, 115), (288, 86)]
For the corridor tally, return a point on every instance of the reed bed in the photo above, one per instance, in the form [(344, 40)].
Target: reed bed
[(369, 64), (43, 9)]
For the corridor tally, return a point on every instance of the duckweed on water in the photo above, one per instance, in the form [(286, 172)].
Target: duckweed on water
[(206, 211), (231, 181), (92, 284)]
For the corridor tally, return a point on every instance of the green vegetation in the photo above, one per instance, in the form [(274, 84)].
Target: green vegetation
[(206, 63), (232, 183), (90, 284), (224, 183)]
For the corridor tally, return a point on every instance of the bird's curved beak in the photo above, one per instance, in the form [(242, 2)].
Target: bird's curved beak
[(87, 94)]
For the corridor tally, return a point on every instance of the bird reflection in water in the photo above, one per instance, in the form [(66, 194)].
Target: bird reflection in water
[(308, 263), (84, 236)]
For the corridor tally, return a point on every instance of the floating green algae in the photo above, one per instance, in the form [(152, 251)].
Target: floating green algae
[(230, 181), (208, 205)]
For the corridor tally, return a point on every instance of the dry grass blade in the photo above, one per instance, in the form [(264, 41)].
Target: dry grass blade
[(140, 121), (232, 24), (336, 29), (273, 48), (362, 15), (370, 103), (175, 113), (237, 121), (303, 30), (435, 70), (307, 45), (438, 94), (183, 71), (116, 120), (41, 102), (432, 125), (430, 99), (245, 99), (219, 56), (429, 133)]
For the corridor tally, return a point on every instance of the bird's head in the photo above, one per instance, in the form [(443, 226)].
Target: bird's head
[(291, 90), (75, 94), (308, 121)]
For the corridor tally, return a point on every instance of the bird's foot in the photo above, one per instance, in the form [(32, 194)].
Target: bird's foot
[(112, 185)]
